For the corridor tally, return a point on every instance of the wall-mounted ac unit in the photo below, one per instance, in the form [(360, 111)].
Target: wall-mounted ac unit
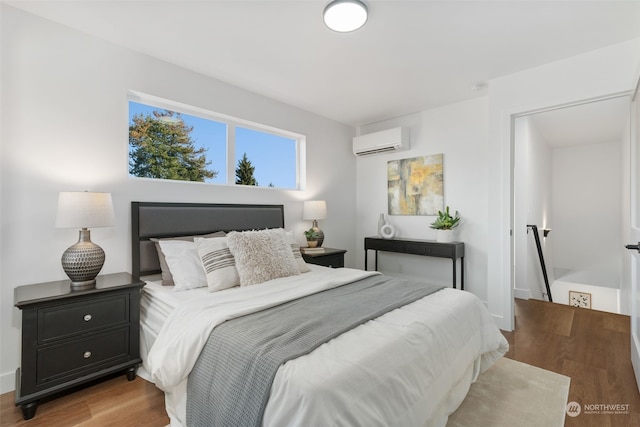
[(379, 142)]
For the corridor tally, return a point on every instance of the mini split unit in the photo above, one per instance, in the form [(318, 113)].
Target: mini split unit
[(380, 142)]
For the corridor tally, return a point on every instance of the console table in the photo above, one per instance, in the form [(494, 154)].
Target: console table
[(453, 251)]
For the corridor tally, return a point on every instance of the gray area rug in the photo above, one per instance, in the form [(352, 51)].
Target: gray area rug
[(511, 394)]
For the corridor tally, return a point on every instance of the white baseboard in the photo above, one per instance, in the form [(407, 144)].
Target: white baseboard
[(522, 293), (500, 322), (7, 382)]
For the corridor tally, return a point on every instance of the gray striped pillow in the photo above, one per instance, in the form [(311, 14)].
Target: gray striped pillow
[(295, 248), (219, 265), (302, 265)]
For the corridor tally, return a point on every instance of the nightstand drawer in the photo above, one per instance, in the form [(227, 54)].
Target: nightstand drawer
[(328, 257), (333, 261), (81, 354), (64, 320)]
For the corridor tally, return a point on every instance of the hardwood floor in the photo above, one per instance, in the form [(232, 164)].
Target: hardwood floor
[(589, 346), (114, 402)]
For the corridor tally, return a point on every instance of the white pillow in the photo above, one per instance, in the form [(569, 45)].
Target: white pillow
[(219, 265), (262, 255), (184, 263), (167, 280), (302, 265)]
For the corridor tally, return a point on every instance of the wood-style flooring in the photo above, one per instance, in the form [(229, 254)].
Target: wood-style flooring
[(591, 347), (114, 402)]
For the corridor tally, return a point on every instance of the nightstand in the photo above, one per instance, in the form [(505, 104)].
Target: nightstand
[(72, 337), (329, 258)]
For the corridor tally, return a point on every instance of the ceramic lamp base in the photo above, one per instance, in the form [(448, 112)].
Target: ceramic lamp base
[(83, 261), (320, 233)]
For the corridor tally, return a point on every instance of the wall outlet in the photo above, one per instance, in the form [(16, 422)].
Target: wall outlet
[(580, 299)]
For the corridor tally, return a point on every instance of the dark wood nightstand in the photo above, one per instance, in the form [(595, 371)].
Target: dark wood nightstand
[(329, 258), (72, 337)]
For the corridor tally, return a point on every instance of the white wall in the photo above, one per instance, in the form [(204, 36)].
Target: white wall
[(587, 212), (602, 299), (459, 131), (532, 196), (591, 75), (65, 125)]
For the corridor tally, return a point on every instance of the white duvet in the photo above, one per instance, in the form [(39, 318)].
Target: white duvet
[(409, 367)]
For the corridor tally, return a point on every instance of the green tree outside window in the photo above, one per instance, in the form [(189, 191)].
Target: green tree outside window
[(160, 146), (244, 172)]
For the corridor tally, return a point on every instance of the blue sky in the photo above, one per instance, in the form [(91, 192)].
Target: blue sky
[(273, 156)]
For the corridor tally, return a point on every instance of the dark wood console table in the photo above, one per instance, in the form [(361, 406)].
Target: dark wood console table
[(453, 251)]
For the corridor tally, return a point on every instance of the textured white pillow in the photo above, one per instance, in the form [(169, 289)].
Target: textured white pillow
[(262, 255), (302, 265), (184, 263), (219, 265)]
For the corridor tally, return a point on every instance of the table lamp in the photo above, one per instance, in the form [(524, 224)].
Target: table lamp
[(315, 210), (83, 209)]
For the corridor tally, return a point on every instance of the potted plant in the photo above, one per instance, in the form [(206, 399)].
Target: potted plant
[(445, 223), (312, 237)]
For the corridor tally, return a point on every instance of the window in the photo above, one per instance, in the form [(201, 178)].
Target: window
[(269, 154), (177, 142)]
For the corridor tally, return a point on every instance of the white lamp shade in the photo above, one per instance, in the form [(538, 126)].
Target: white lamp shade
[(314, 209), (84, 209), (345, 15)]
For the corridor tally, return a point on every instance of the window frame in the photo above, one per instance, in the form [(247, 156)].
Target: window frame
[(231, 123)]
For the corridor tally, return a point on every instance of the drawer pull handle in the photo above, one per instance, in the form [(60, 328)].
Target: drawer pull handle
[(87, 317), (87, 354)]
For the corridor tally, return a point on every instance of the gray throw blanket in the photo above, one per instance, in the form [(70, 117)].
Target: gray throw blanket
[(231, 382)]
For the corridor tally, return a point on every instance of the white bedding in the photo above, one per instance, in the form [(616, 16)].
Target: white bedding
[(410, 367)]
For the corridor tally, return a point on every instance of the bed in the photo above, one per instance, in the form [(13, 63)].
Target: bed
[(410, 366)]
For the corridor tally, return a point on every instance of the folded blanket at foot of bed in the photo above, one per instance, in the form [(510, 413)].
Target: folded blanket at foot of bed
[(231, 381)]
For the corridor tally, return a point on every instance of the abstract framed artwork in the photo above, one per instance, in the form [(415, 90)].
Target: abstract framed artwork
[(415, 185)]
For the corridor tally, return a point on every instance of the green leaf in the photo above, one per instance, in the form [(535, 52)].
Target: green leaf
[(445, 221)]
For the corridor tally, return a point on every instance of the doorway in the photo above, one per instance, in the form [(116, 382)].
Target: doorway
[(568, 181)]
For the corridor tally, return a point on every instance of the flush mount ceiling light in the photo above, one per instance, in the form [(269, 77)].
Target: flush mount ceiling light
[(345, 15)]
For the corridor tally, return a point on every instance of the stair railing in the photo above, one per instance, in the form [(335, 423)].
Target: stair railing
[(536, 236)]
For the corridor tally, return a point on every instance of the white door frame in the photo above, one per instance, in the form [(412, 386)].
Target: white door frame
[(634, 230)]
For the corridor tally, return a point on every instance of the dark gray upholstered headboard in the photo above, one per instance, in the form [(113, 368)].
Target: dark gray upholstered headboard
[(151, 219)]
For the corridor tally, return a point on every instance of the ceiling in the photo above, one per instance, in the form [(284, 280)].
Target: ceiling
[(410, 55), (590, 123)]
